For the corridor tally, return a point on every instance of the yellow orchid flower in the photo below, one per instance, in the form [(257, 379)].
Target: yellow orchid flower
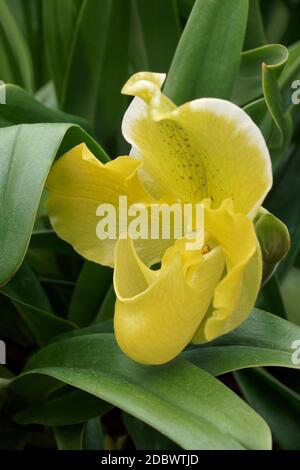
[(208, 151)]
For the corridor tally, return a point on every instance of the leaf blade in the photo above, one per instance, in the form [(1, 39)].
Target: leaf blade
[(178, 392), (208, 55)]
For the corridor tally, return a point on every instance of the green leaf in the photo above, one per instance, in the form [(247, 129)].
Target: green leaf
[(269, 113), (69, 437), (274, 240), (28, 15), (26, 288), (59, 20), (185, 7), (248, 85), (48, 240), (107, 309), (291, 294), (31, 301), (277, 19), (259, 113), (285, 76), (17, 10), (262, 340), (274, 103), (161, 17), (71, 408), (283, 201), (292, 68), (47, 95), (88, 436), (98, 66), (272, 297), (26, 155), (89, 291), (208, 56), (198, 405), (145, 437), (43, 324), (278, 404), (255, 34), (44, 263), (15, 60), (12, 326), (29, 298), (5, 373), (93, 435), (292, 31), (102, 327), (22, 108)]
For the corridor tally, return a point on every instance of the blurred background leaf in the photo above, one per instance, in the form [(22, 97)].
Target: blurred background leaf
[(90, 290), (15, 59), (98, 67), (209, 52), (87, 436), (278, 404), (154, 51)]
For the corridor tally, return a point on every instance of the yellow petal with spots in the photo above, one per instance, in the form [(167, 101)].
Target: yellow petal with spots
[(78, 183), (205, 148), (236, 294), (158, 312)]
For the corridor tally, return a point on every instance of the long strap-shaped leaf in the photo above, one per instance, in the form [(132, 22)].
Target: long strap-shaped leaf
[(98, 65), (263, 340), (71, 408), (154, 51), (15, 59), (26, 155), (208, 56), (276, 402), (22, 108), (59, 26), (183, 402)]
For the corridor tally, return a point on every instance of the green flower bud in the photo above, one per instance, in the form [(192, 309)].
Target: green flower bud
[(274, 240)]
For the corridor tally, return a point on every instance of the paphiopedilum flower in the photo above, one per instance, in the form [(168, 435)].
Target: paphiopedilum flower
[(207, 150)]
